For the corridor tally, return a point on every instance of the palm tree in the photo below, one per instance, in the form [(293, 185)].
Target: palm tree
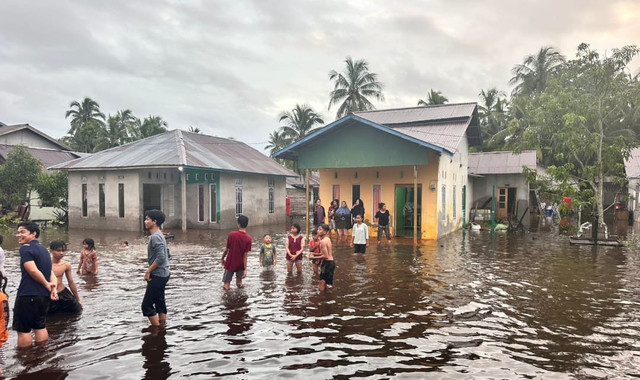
[(116, 131), (83, 114), (299, 122), (532, 76), (353, 87), (150, 126), (493, 117), (277, 141), (193, 129), (434, 97)]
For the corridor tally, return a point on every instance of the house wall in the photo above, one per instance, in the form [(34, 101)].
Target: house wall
[(634, 198), (255, 192), (452, 176), (483, 187), (388, 178), (27, 138)]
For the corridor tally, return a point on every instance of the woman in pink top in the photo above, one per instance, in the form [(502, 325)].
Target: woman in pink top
[(88, 258), (294, 247)]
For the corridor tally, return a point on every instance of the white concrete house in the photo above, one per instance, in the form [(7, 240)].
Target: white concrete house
[(198, 181)]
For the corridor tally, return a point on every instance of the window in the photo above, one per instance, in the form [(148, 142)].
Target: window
[(84, 200), (455, 196), (200, 202), (272, 185), (355, 193), (444, 202), (238, 200), (101, 207), (171, 200), (336, 192), (213, 202), (121, 200), (377, 198)]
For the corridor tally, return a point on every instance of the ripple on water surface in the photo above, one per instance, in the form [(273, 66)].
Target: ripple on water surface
[(512, 306)]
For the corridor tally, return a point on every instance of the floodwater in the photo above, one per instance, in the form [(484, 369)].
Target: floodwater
[(509, 306)]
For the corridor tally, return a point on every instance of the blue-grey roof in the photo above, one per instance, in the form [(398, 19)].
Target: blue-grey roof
[(440, 128), (501, 162), (179, 148)]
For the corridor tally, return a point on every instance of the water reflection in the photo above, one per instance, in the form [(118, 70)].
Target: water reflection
[(503, 306)]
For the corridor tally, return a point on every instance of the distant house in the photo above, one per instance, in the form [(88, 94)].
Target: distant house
[(396, 156), (41, 146), (199, 181), (632, 168), (503, 170), (296, 193)]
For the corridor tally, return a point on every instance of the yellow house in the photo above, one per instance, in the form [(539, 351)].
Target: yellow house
[(412, 159)]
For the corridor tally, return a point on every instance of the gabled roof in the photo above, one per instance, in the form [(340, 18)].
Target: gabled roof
[(48, 157), (632, 164), (7, 129), (440, 128), (501, 162), (182, 149)]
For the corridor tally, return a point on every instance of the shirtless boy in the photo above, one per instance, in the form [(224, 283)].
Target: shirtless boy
[(326, 255), (68, 301)]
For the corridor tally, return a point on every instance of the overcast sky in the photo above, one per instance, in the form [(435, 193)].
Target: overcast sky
[(230, 67)]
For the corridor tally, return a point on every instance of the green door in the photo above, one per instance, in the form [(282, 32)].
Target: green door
[(400, 201)]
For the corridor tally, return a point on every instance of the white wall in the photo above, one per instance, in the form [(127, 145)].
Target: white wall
[(27, 138), (452, 173)]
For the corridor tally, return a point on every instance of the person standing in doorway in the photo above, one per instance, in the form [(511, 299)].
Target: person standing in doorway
[(234, 257), (357, 209), (37, 287), (318, 214), (157, 275)]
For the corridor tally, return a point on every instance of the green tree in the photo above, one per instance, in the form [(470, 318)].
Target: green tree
[(86, 123), (150, 126), (433, 98), (277, 142), (493, 118), (53, 189), (18, 176), (299, 122), (353, 87), (578, 123), (116, 131), (531, 77), (193, 129)]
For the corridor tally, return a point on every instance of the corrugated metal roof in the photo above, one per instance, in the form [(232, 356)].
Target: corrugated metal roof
[(445, 135), (632, 164), (501, 162), (179, 148), (48, 157), (419, 114), (6, 129)]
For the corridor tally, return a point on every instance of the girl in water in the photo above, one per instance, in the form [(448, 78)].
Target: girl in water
[(88, 258)]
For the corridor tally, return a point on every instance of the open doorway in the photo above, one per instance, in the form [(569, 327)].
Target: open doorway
[(151, 197), (405, 210)]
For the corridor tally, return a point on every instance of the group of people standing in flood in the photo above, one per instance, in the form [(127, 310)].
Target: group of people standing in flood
[(341, 219)]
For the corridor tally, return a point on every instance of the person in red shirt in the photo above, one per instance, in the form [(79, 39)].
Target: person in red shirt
[(234, 257)]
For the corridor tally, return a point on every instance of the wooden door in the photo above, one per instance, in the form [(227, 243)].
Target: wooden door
[(503, 203)]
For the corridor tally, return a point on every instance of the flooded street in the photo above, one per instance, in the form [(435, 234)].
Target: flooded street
[(512, 306)]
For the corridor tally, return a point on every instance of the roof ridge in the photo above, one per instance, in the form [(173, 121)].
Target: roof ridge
[(182, 152), (416, 107)]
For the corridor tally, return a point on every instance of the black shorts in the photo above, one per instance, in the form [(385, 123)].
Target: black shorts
[(30, 313), (66, 303), (153, 302), (326, 274), (360, 248)]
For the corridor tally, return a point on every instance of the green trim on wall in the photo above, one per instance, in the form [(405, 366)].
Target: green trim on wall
[(360, 146)]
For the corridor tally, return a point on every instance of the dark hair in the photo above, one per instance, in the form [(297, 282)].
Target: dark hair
[(358, 215), (325, 227), (297, 226), (381, 205), (265, 235), (31, 227), (1, 238), (90, 243), (125, 242), (155, 215), (243, 221), (58, 245), (314, 231)]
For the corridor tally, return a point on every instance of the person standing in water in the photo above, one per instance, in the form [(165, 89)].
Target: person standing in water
[(326, 255), (234, 257), (157, 274)]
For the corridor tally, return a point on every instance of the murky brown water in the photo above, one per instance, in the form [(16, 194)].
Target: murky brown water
[(513, 306)]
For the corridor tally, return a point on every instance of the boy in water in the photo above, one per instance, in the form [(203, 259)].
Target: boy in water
[(157, 275), (68, 301), (314, 248), (326, 255), (268, 254), (360, 237), (382, 219), (237, 249)]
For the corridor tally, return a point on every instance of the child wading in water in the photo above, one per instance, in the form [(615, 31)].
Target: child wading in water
[(68, 301), (314, 249), (268, 256), (294, 247), (382, 218), (360, 238), (88, 258), (326, 255)]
